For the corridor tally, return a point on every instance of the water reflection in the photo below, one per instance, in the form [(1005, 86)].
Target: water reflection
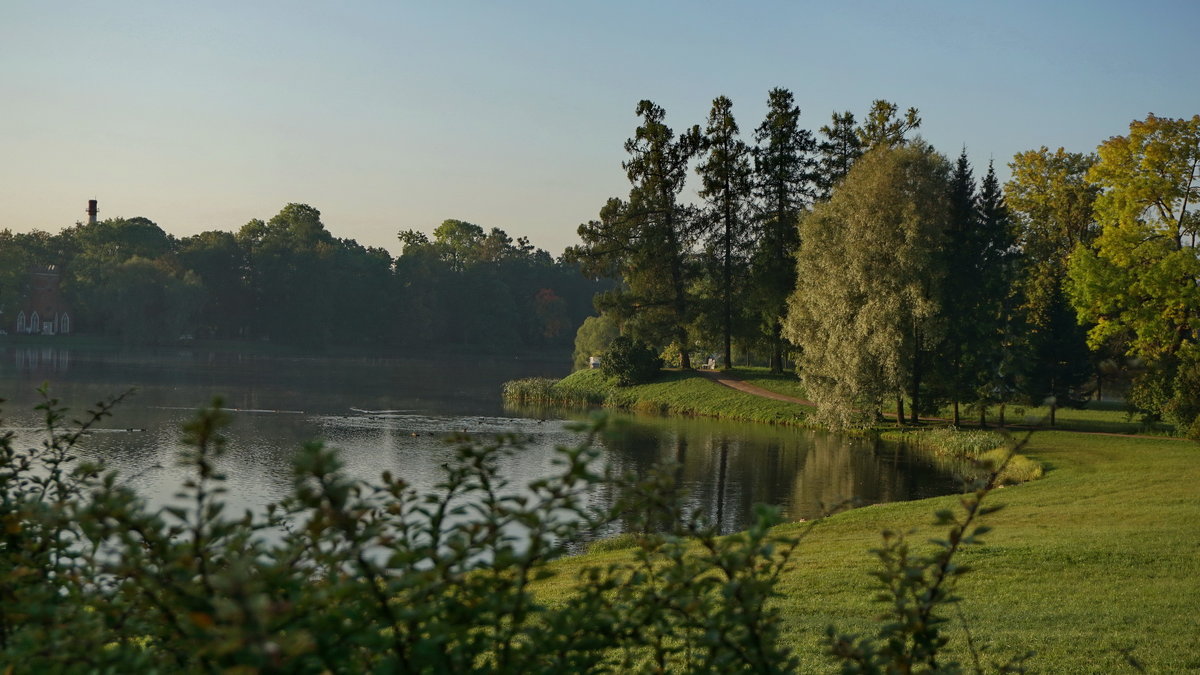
[(726, 468), (392, 414), (42, 361)]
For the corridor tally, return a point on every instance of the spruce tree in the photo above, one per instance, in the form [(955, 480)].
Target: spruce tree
[(979, 248), (999, 295), (962, 286), (837, 152)]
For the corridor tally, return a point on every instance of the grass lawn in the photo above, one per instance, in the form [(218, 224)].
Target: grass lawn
[(1099, 556), (681, 393), (1101, 416)]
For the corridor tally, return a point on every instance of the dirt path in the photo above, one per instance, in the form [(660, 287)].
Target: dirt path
[(733, 382)]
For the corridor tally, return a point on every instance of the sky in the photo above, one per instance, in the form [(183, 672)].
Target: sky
[(390, 116)]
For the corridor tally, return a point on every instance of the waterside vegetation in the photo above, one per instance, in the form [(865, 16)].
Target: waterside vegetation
[(692, 393)]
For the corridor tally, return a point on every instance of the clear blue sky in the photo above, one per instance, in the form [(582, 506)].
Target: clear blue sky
[(398, 115)]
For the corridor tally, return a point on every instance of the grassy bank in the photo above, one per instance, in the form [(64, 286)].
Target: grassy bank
[(690, 393), (947, 446), (1099, 557), (1099, 416), (1094, 563), (676, 393)]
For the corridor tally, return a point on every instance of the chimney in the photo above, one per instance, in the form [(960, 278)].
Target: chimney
[(92, 211)]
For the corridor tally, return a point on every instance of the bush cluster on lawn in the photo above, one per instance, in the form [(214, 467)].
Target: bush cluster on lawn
[(630, 362), (352, 576)]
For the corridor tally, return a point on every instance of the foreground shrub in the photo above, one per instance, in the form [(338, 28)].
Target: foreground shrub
[(356, 576), (352, 576)]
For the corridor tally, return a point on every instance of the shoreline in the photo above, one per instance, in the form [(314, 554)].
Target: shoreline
[(1090, 563)]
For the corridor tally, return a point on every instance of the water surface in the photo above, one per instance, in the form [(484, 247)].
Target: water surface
[(394, 414)]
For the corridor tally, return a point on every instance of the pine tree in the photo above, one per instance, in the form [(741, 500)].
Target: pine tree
[(784, 172), (882, 128), (648, 240), (727, 184)]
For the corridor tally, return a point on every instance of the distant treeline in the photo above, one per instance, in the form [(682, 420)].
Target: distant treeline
[(289, 280)]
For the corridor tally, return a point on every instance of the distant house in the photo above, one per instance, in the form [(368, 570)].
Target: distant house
[(44, 312)]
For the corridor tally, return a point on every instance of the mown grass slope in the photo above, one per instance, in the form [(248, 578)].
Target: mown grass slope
[(1098, 559)]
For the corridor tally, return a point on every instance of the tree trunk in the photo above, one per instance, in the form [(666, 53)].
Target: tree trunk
[(1001, 420), (777, 349), (1053, 400), (728, 280), (899, 410), (982, 416), (955, 422), (916, 379)]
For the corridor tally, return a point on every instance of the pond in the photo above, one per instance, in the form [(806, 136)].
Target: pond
[(394, 414)]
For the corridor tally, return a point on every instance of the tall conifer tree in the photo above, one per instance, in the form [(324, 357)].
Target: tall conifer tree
[(784, 172), (727, 178), (648, 240), (837, 152), (999, 294), (962, 287), (978, 264)]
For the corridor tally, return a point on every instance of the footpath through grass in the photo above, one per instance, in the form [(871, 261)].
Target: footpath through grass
[(1092, 566)]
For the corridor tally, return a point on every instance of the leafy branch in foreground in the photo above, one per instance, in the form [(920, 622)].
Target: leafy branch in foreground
[(348, 576), (345, 575)]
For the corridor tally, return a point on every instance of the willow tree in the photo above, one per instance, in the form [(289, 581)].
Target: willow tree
[(870, 261)]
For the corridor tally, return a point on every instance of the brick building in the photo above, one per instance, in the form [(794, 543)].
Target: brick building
[(44, 312)]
